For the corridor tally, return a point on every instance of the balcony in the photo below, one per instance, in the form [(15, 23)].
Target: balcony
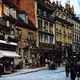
[(63, 21), (48, 45), (47, 17)]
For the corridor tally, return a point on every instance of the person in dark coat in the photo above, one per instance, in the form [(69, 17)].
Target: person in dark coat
[(73, 70), (1, 69), (67, 68), (78, 68)]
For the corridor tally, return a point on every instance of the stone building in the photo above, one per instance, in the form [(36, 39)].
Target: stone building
[(8, 35), (63, 25), (40, 14), (17, 35), (76, 35), (46, 31)]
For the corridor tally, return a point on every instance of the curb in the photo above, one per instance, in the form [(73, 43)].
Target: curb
[(30, 72)]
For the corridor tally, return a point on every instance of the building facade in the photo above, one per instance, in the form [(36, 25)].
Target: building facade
[(40, 15), (28, 35), (54, 28), (8, 35), (46, 29), (16, 36), (39, 31), (76, 36), (64, 25)]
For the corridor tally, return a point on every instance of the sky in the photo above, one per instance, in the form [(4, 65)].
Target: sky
[(72, 2)]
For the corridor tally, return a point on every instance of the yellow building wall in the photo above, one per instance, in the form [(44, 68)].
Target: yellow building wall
[(60, 37), (24, 37)]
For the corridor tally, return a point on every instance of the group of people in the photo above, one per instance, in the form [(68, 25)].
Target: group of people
[(72, 68)]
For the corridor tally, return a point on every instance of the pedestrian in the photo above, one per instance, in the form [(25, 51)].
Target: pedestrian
[(73, 70), (78, 68), (1, 69), (67, 68)]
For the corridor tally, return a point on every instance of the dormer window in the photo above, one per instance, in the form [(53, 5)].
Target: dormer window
[(6, 10), (24, 17)]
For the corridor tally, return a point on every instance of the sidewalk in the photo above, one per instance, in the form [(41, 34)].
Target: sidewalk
[(25, 71)]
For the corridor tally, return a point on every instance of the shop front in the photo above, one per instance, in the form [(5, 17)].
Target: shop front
[(7, 59)]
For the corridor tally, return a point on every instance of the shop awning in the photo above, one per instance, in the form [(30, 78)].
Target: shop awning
[(12, 54)]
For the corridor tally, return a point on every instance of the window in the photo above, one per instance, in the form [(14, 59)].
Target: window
[(39, 11), (45, 13), (30, 36), (7, 23), (79, 38), (6, 10), (41, 38), (24, 17), (20, 51), (56, 29), (73, 36), (62, 16), (46, 26), (46, 38), (25, 54), (39, 23), (12, 32), (13, 12), (51, 28), (58, 14), (6, 37), (2, 36), (51, 40)]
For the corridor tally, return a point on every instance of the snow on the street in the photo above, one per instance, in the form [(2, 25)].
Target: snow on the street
[(40, 75)]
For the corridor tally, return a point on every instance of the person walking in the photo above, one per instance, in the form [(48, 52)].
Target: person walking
[(78, 68), (67, 68), (1, 69), (73, 70)]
